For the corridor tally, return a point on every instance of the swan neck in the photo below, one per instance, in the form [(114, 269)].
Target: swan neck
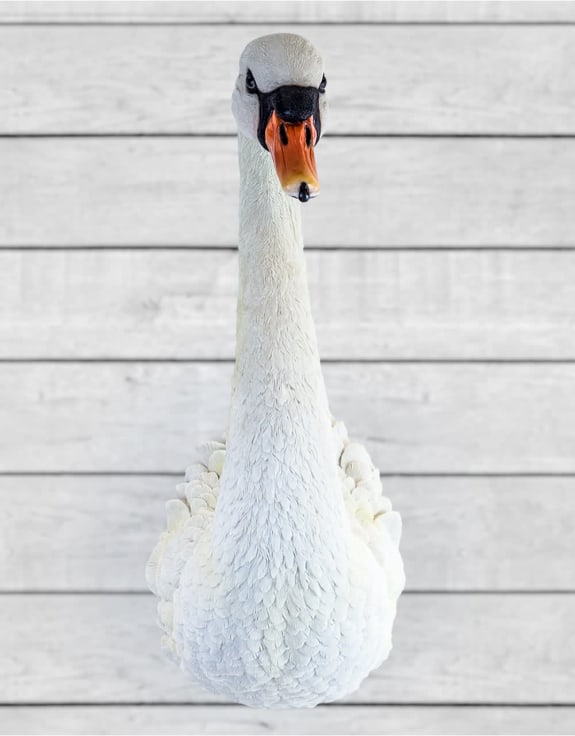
[(279, 404), (274, 321), (270, 220), (280, 471)]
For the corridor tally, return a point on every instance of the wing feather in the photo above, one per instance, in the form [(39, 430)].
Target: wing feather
[(370, 510)]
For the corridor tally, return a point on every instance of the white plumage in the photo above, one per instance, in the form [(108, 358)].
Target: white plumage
[(279, 572)]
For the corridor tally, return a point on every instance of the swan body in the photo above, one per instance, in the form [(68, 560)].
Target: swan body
[(279, 571)]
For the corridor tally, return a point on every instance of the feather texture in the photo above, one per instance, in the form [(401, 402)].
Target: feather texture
[(288, 617), (279, 571)]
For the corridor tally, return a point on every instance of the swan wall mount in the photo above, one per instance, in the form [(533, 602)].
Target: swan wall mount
[(279, 571)]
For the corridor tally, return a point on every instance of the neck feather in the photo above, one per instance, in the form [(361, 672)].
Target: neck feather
[(279, 442), (275, 326)]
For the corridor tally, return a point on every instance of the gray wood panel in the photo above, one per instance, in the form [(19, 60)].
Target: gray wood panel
[(376, 192), (333, 719), (419, 418), (459, 533), (447, 649), (366, 304), (167, 68), (382, 79), (176, 11)]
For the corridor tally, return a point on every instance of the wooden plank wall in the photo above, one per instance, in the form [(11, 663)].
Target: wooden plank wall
[(441, 257)]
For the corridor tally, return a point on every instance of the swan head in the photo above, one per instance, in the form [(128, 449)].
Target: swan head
[(279, 100)]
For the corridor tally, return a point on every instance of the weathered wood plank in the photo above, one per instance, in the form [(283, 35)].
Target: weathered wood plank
[(94, 533), (175, 11), (382, 79), (377, 192), (367, 304), (138, 417), (447, 649), (333, 719)]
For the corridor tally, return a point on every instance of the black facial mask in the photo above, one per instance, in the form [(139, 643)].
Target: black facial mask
[(292, 104)]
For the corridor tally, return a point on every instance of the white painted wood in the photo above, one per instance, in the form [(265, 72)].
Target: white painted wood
[(447, 649), (333, 719), (376, 192), (67, 533), (348, 11), (367, 304), (382, 79), (413, 417)]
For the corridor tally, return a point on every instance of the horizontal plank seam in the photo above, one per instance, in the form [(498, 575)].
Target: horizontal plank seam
[(210, 135), (366, 704), (325, 361), (179, 474), (407, 592), (309, 248), (283, 23)]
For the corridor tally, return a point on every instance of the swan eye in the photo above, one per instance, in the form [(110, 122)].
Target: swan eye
[(251, 85), (323, 84)]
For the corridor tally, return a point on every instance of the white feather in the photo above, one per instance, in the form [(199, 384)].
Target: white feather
[(279, 572)]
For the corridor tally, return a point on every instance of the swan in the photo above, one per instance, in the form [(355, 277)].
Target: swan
[(279, 571)]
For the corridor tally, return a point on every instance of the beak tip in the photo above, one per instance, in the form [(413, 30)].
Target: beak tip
[(304, 193), (302, 190)]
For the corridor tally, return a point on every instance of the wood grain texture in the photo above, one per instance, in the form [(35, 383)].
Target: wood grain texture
[(333, 719), (377, 192), (175, 11), (67, 533), (447, 649), (366, 304), (418, 418), (382, 79), (167, 68)]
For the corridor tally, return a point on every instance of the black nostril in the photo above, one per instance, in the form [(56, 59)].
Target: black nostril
[(304, 194), (307, 136), (283, 135)]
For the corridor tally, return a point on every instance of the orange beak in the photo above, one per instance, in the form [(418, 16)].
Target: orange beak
[(292, 148)]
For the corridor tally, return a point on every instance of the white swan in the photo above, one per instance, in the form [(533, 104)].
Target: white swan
[(279, 572)]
